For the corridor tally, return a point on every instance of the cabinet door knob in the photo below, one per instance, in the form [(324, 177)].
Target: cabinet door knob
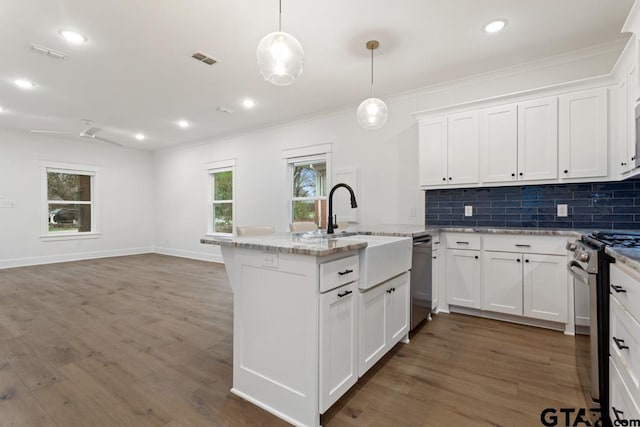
[(476, 257), (449, 178), (444, 179), (623, 164), (521, 174), (619, 289), (620, 343), (518, 260), (513, 174), (344, 294), (526, 260), (566, 171)]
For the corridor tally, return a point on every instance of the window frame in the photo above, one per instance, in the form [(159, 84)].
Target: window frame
[(70, 169), (321, 152), (212, 168)]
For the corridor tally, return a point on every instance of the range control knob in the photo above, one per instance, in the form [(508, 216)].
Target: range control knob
[(572, 247), (584, 256)]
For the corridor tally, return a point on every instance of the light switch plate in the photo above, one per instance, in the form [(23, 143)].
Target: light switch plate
[(562, 210), (468, 211)]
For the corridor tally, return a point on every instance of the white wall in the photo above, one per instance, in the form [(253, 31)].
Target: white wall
[(125, 204), (386, 159)]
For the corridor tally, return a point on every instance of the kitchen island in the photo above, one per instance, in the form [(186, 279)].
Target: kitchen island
[(310, 316)]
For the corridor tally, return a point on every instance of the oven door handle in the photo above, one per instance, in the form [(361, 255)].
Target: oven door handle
[(578, 272)]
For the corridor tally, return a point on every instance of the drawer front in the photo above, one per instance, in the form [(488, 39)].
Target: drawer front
[(462, 241), (339, 272), (548, 245), (622, 405), (624, 346), (626, 289)]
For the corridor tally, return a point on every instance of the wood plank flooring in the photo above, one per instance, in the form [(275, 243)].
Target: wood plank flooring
[(147, 341)]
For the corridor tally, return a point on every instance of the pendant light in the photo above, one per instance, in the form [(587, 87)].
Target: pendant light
[(280, 56), (372, 112)]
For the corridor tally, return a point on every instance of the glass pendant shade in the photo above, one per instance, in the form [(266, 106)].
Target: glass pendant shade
[(372, 113), (280, 58)]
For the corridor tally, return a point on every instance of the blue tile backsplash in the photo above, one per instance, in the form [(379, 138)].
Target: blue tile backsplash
[(599, 205)]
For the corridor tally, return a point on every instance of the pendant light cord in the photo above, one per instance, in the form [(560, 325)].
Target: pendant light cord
[(371, 73), (280, 17)]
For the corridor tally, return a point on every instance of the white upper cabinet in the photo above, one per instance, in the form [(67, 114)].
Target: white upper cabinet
[(632, 93), (463, 149), (432, 149), (583, 134), (538, 139), (499, 144)]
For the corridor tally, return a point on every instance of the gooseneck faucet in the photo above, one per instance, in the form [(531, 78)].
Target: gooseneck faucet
[(330, 224)]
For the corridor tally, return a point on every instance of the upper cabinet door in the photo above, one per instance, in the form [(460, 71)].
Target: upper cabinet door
[(499, 144), (632, 94), (583, 134), (432, 148), (464, 149), (538, 139)]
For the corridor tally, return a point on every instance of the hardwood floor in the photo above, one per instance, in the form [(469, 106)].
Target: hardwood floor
[(147, 341)]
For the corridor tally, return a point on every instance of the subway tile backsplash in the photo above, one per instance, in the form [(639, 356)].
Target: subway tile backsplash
[(600, 205)]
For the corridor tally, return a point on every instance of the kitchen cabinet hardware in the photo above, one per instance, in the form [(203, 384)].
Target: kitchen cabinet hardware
[(620, 343), (619, 289), (518, 245), (390, 290), (450, 178), (434, 257), (347, 271), (618, 413), (633, 158), (566, 171), (623, 164), (344, 294), (444, 179), (521, 174), (436, 243), (526, 260), (475, 256), (518, 259), (462, 243), (513, 174)]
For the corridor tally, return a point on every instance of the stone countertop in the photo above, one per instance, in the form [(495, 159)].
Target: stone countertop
[(290, 243), (627, 256), (392, 230), (520, 231)]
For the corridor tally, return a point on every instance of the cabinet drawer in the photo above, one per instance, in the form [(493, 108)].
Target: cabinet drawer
[(548, 245), (624, 346), (622, 405), (339, 272), (462, 241), (626, 290)]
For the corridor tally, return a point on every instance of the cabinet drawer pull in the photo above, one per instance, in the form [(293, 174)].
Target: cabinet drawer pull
[(344, 294), (391, 290), (617, 412), (434, 257), (522, 246), (620, 343), (342, 273), (462, 243), (619, 289)]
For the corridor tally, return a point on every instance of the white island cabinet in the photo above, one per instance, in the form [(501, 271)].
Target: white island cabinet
[(296, 318)]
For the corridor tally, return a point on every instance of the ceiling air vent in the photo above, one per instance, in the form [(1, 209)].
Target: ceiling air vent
[(47, 52), (203, 58)]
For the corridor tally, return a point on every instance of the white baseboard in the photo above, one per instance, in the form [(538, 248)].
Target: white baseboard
[(201, 256), (79, 256)]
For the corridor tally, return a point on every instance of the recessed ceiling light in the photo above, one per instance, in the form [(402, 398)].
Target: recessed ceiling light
[(72, 36), (1, 109), (24, 83), (183, 124), (248, 103), (140, 136), (495, 26)]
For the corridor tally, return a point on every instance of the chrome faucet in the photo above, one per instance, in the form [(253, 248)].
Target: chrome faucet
[(330, 223)]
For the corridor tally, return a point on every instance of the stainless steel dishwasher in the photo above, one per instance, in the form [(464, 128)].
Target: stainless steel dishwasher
[(421, 292)]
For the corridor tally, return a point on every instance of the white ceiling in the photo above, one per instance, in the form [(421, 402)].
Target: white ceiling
[(136, 73)]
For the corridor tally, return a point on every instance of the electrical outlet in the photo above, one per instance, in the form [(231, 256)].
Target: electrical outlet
[(562, 210), (270, 259), (468, 211)]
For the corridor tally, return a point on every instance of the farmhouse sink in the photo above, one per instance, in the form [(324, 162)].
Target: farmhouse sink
[(383, 258)]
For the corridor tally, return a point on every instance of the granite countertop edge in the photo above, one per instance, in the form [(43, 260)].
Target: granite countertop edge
[(627, 256), (288, 248)]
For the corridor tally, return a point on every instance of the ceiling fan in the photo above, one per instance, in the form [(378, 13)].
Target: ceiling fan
[(90, 132)]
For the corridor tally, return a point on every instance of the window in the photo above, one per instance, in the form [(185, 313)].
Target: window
[(221, 211), (309, 191), (69, 200)]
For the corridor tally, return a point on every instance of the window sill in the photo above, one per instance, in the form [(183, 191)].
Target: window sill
[(229, 235), (76, 236)]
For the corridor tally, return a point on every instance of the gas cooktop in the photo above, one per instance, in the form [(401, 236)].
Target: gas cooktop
[(627, 239)]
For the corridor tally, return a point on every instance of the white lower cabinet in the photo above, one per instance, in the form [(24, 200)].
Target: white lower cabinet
[(463, 278), (545, 287), (383, 319), (502, 280), (435, 279), (338, 341)]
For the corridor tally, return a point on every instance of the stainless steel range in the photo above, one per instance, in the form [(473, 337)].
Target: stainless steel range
[(589, 266)]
